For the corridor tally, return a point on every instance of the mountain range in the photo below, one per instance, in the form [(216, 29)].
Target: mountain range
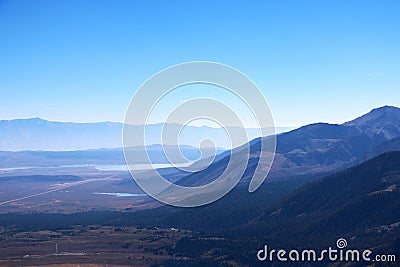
[(350, 155), (322, 147), (318, 148)]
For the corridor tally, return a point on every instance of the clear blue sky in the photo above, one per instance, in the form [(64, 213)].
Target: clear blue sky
[(314, 60)]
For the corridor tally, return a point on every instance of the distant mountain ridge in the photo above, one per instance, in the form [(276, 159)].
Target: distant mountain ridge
[(39, 134)]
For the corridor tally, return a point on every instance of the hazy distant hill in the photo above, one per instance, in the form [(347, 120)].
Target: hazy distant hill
[(112, 156), (39, 134)]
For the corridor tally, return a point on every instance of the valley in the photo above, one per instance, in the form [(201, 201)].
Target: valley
[(327, 181), (91, 245)]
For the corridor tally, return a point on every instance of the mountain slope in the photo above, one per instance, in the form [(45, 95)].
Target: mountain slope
[(388, 146), (326, 146), (358, 204), (383, 122), (379, 176), (314, 149)]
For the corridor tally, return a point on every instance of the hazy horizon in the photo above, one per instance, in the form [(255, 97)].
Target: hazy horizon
[(82, 62), (199, 125)]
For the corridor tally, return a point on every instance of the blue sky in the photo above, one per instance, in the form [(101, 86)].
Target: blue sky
[(314, 60)]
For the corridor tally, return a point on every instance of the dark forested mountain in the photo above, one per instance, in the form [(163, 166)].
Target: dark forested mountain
[(371, 190), (366, 194), (360, 204)]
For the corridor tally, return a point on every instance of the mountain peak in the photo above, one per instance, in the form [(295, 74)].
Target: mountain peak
[(384, 121), (36, 119), (377, 115), (385, 110), (386, 107)]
